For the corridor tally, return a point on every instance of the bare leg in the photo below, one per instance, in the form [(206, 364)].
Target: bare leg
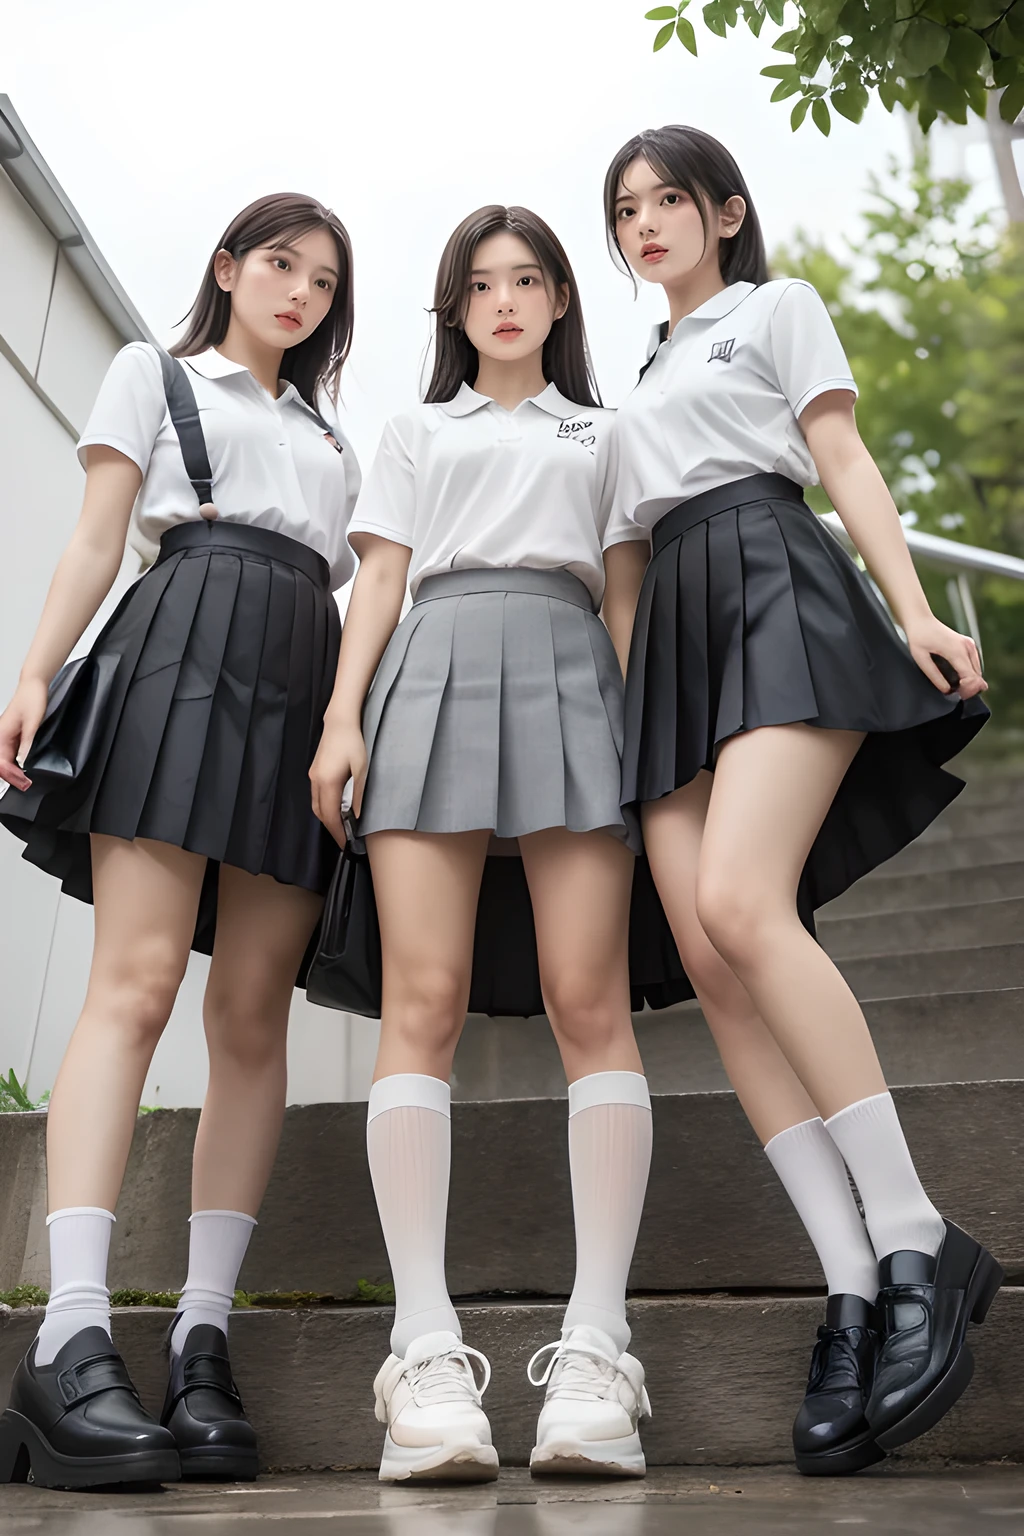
[(263, 928), (146, 896), (772, 789)]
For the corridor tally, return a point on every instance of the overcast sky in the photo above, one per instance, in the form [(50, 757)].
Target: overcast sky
[(162, 120)]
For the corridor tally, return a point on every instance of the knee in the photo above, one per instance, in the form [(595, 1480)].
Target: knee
[(426, 1007), (136, 992), (736, 917), (584, 1014), (246, 1024)]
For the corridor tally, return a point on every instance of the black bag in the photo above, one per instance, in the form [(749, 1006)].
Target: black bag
[(73, 724), (346, 969)]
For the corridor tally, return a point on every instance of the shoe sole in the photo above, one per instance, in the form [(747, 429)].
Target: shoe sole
[(218, 1464), (27, 1456), (583, 1458), (473, 1463), (956, 1378), (842, 1461)]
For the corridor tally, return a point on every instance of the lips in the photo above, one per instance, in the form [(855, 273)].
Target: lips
[(290, 320), (652, 252), (510, 332)]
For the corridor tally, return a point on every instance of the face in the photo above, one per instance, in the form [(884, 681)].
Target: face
[(281, 293), (659, 227), (512, 303)]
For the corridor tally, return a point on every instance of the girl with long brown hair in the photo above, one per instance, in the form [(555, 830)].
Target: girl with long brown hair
[(164, 780), (494, 712)]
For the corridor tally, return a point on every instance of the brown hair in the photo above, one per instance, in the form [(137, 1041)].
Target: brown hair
[(566, 357), (701, 166), (315, 363)]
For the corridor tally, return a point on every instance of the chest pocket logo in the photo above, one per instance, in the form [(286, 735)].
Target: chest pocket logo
[(578, 432), (721, 351), (329, 437)]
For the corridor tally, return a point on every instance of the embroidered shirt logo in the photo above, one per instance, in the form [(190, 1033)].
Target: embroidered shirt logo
[(721, 351), (578, 432), (329, 437)]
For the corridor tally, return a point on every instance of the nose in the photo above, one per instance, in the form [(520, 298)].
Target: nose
[(300, 291)]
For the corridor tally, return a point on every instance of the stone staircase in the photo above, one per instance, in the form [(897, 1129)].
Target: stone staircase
[(726, 1288)]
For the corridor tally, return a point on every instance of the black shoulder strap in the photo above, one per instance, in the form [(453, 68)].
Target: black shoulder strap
[(181, 402), (663, 336)]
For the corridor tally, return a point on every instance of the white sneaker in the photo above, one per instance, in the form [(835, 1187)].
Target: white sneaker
[(430, 1402), (594, 1399)]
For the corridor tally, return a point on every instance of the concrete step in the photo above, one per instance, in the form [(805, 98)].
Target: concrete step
[(726, 1375), (955, 1037), (941, 888), (971, 819), (924, 857), (975, 969), (715, 1218), (992, 788), (923, 929)]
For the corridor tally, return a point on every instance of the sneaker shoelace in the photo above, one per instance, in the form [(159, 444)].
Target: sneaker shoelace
[(449, 1377), (573, 1372)]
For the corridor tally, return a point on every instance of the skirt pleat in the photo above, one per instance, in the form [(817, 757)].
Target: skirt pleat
[(223, 663), (752, 614)]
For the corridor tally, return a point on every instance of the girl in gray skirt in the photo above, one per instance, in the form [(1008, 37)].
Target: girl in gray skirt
[(495, 711)]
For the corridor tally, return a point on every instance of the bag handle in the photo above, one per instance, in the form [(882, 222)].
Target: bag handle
[(181, 402)]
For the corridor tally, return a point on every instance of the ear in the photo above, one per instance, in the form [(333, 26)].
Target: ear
[(731, 216), (225, 270), (562, 297)]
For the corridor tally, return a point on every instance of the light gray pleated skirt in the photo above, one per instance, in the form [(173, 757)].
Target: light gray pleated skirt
[(497, 705)]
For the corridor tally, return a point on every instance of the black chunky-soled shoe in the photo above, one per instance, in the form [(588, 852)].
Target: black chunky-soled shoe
[(203, 1410), (78, 1422), (925, 1363), (831, 1436)]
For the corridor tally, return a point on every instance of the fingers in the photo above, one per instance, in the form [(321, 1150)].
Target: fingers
[(11, 745), (327, 806), (11, 774), (930, 670)]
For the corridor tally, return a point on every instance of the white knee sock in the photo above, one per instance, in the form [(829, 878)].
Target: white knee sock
[(79, 1244), (814, 1177), (217, 1241), (609, 1160), (897, 1210), (409, 1145)]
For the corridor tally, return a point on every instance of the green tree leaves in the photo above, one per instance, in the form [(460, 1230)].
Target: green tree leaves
[(930, 56)]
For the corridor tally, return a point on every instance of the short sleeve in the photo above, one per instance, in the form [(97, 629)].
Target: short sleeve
[(387, 500), (808, 355), (130, 407), (615, 524)]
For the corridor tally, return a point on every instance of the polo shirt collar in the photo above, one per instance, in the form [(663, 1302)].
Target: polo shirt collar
[(716, 308), (468, 400), (212, 364)]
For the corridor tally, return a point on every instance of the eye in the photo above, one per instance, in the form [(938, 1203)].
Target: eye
[(478, 287), (526, 281), (282, 263), (624, 213), (672, 198), (323, 282)]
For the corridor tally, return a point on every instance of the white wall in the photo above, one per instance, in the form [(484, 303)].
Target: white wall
[(52, 326)]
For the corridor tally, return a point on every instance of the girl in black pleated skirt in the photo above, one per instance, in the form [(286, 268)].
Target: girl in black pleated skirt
[(782, 739), (165, 780)]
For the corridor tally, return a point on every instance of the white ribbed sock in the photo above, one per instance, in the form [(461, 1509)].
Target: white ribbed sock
[(409, 1145), (814, 1177), (897, 1210), (609, 1159), (79, 1244), (217, 1241)]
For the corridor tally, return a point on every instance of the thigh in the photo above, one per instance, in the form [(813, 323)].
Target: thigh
[(427, 887), (772, 791), (263, 928), (580, 887), (145, 897)]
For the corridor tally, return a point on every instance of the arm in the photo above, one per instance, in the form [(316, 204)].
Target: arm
[(81, 581), (624, 567), (373, 613), (859, 494)]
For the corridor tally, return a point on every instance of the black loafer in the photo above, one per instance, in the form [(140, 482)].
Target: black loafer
[(831, 1436), (203, 1411), (925, 1363), (78, 1422)]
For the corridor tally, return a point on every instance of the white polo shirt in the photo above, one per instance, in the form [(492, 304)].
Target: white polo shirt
[(720, 398), (467, 484), (272, 466)]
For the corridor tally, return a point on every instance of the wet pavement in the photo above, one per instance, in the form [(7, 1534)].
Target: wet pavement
[(759, 1501)]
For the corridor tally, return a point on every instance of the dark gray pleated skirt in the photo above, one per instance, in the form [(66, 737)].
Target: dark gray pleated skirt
[(498, 704)]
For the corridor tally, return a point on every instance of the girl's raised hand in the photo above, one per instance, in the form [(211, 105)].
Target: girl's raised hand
[(340, 756), (18, 725), (929, 638)]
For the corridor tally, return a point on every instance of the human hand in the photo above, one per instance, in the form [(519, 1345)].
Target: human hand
[(18, 725), (930, 638), (340, 756)]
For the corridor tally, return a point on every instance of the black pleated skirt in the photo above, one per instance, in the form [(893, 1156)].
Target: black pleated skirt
[(752, 614), (220, 662)]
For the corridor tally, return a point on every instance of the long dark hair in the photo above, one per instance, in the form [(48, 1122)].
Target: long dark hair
[(566, 356), (699, 165), (315, 363)]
